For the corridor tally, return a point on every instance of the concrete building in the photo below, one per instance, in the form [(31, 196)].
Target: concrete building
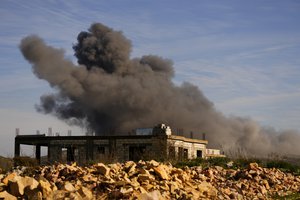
[(158, 143)]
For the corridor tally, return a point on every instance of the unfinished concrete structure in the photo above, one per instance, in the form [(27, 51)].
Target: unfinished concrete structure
[(156, 144)]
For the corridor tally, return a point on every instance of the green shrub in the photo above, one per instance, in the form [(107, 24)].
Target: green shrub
[(293, 196), (240, 163), (218, 161), (283, 165), (222, 161), (189, 163), (244, 162)]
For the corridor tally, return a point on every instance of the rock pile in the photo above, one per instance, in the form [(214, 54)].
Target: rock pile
[(146, 180)]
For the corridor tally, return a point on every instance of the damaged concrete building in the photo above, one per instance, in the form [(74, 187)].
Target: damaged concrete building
[(157, 143)]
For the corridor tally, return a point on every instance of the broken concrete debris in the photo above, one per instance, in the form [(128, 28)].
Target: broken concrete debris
[(146, 180)]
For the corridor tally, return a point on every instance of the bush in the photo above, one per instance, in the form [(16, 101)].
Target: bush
[(25, 161), (222, 161), (218, 161), (240, 163), (283, 165), (244, 162), (293, 196), (190, 163)]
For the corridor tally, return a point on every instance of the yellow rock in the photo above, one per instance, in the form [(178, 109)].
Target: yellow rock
[(253, 166), (59, 195), (8, 177), (145, 177), (161, 172), (85, 193), (18, 184), (6, 196), (102, 169), (69, 187), (207, 190), (152, 163), (46, 189), (154, 195)]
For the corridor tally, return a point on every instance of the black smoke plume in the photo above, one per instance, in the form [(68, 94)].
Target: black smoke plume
[(112, 94)]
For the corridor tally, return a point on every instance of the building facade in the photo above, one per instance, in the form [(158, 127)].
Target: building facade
[(157, 144)]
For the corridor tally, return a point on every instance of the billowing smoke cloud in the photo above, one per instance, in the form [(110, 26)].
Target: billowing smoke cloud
[(112, 94)]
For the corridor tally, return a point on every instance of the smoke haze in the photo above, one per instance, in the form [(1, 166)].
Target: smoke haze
[(111, 93)]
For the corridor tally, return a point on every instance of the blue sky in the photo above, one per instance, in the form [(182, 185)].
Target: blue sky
[(244, 55)]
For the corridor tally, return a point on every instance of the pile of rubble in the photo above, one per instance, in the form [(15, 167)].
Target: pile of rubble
[(146, 180)]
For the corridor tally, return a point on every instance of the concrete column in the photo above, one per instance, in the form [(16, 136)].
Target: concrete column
[(70, 154), (17, 149), (89, 150), (38, 153), (81, 155), (54, 153)]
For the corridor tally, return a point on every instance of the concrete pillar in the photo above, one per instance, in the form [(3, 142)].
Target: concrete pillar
[(70, 154), (89, 150), (82, 155), (54, 153), (125, 153), (17, 149), (38, 153)]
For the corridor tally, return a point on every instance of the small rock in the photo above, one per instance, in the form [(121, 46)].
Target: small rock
[(18, 184), (173, 187), (34, 194), (143, 171), (45, 187), (75, 196), (226, 191), (252, 172), (207, 190), (154, 195), (145, 177), (142, 190), (161, 172), (253, 166), (6, 196), (128, 165), (134, 182), (132, 171), (266, 184), (1, 177), (2, 187), (58, 194), (125, 190), (116, 167), (102, 169), (184, 177), (263, 190), (69, 187), (9, 177), (89, 178), (230, 164), (152, 163), (218, 168), (85, 193)]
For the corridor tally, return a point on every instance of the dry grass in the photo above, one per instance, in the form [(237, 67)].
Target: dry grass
[(5, 164), (25, 161)]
